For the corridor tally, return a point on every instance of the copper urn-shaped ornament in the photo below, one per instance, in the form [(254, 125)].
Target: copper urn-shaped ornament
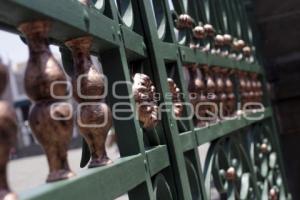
[(230, 104), (50, 118), (144, 95), (221, 96), (94, 117), (196, 89), (211, 93), (8, 137)]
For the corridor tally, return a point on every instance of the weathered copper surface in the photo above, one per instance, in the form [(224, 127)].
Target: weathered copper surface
[(54, 135), (94, 119), (144, 91), (8, 137), (177, 103), (50, 119), (88, 83), (42, 68)]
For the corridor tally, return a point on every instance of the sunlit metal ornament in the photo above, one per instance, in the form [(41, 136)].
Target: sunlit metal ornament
[(273, 194), (50, 119), (237, 47), (230, 174), (210, 33), (199, 32), (144, 95), (94, 118), (227, 45), (209, 30), (184, 21), (177, 103), (218, 44)]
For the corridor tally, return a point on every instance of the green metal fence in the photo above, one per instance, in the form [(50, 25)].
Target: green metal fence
[(162, 163)]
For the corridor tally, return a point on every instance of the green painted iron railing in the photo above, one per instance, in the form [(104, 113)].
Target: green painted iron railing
[(163, 163)]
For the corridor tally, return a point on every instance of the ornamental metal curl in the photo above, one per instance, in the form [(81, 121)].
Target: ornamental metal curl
[(229, 170), (265, 160)]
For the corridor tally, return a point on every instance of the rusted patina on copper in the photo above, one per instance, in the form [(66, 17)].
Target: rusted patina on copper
[(94, 118), (177, 102), (184, 21), (8, 137), (144, 91), (196, 89), (50, 119), (3, 77)]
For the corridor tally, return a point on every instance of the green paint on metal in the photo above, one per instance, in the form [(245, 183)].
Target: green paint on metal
[(170, 169)]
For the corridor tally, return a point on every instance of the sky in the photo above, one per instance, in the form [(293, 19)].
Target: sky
[(12, 48)]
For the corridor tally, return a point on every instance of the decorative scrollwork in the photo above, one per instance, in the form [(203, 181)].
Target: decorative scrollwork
[(229, 170), (265, 160), (161, 188)]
